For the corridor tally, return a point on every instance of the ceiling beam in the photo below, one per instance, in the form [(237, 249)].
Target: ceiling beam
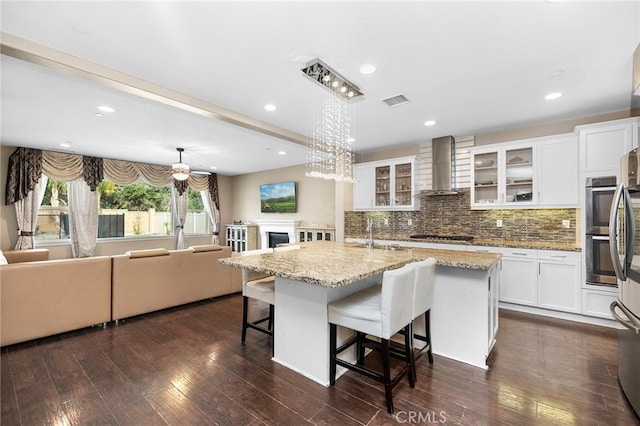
[(29, 51)]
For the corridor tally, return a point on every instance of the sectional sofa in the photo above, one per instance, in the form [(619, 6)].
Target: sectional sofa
[(40, 297)]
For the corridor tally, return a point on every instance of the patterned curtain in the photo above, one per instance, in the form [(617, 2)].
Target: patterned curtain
[(92, 171), (179, 204), (25, 169), (27, 215)]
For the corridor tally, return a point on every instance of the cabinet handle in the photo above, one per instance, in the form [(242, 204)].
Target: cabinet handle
[(538, 269), (518, 254), (559, 256)]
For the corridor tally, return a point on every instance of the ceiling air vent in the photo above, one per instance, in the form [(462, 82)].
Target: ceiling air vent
[(396, 101)]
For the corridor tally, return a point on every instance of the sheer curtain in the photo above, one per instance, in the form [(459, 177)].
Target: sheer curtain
[(27, 215), (179, 206), (83, 218), (213, 213)]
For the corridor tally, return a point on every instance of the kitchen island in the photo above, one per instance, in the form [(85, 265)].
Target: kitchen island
[(464, 318)]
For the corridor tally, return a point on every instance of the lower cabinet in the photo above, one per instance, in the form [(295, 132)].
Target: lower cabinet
[(546, 279), (596, 303), (559, 283)]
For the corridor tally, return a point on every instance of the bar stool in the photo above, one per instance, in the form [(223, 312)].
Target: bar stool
[(379, 311), (425, 272), (259, 286)]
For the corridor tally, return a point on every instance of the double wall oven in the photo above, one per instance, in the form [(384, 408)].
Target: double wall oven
[(599, 196)]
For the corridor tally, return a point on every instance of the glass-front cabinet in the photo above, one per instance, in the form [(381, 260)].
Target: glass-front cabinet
[(385, 185), (503, 176)]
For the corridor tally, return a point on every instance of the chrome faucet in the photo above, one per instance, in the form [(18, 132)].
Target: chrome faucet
[(369, 241)]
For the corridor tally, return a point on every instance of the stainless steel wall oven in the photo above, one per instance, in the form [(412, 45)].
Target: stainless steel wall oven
[(598, 200)]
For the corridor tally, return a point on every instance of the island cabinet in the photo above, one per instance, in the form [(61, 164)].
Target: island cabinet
[(385, 185)]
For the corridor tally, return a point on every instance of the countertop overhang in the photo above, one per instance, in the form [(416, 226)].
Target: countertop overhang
[(334, 264)]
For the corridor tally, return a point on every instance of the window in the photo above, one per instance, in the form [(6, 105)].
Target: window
[(135, 210)]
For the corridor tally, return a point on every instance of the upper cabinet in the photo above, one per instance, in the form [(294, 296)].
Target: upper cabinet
[(503, 176), (541, 172), (385, 185), (602, 144)]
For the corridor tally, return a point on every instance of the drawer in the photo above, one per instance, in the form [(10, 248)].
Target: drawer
[(484, 249), (596, 303), (519, 253), (560, 256)]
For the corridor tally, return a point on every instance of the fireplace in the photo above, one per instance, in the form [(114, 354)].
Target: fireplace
[(276, 226), (276, 238)]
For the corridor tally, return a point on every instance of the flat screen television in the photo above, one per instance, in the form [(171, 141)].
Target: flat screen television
[(278, 197)]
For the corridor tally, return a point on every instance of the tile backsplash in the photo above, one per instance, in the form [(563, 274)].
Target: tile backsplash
[(452, 215)]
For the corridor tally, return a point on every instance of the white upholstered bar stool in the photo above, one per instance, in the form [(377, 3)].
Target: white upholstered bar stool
[(425, 273), (259, 286), (379, 311)]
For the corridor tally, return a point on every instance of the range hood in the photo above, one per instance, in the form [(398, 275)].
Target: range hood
[(443, 151)]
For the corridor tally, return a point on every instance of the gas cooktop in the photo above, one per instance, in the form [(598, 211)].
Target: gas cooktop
[(442, 237)]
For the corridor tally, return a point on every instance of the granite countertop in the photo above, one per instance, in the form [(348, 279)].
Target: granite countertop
[(333, 264), (522, 244)]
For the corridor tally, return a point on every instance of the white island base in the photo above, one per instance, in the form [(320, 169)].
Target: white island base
[(464, 319)]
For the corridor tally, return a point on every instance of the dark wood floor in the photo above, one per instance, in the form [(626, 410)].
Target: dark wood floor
[(187, 366)]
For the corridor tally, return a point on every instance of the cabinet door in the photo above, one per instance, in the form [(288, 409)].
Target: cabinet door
[(403, 182), (363, 187), (383, 186), (558, 174), (485, 178), (518, 281), (602, 144), (519, 176), (559, 286)]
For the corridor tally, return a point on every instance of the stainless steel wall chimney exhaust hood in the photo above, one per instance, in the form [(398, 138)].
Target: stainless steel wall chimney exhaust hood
[(443, 151)]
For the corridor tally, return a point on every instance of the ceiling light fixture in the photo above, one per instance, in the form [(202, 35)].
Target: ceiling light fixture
[(322, 74), (105, 108), (552, 96), (282, 152), (270, 107), (99, 114), (66, 144), (331, 153), (429, 122), (180, 170)]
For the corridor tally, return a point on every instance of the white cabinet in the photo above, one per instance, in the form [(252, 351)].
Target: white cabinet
[(315, 234), (385, 185), (596, 303), (519, 277), (363, 186), (242, 237), (503, 176), (559, 280), (602, 144), (558, 174)]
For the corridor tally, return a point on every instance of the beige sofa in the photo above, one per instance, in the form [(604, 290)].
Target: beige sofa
[(149, 280), (45, 297)]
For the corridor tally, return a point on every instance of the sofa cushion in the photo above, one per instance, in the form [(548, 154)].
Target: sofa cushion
[(147, 253), (30, 255), (207, 247)]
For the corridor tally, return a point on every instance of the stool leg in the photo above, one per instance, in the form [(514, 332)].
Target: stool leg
[(409, 356), (270, 323), (359, 348), (332, 354), (387, 374), (427, 333), (245, 308)]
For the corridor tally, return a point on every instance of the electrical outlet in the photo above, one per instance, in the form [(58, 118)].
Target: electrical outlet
[(566, 224), (386, 220), (499, 223), (409, 222)]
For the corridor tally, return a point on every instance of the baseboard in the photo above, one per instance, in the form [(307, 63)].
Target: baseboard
[(603, 322)]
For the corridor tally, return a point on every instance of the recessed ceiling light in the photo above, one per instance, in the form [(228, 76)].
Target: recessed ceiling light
[(552, 96), (367, 69), (213, 167), (270, 107), (105, 108), (99, 114), (282, 152), (66, 144), (351, 139), (429, 122)]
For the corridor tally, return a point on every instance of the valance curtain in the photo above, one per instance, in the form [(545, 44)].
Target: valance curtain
[(26, 166)]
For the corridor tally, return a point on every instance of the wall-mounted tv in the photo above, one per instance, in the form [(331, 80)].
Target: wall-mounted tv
[(278, 197)]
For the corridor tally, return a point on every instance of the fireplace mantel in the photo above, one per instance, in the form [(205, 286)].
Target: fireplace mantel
[(268, 225)]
